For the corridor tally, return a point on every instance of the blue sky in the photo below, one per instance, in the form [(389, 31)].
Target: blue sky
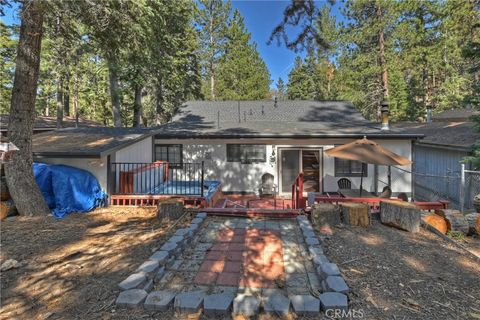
[(260, 18)]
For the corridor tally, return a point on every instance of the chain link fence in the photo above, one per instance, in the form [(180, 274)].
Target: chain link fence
[(457, 186)]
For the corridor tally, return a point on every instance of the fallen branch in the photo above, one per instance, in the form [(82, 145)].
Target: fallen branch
[(353, 260)]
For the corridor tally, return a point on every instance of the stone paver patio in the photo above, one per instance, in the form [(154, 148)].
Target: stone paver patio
[(239, 265)]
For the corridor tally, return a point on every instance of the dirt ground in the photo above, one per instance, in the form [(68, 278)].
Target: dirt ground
[(71, 268), (399, 275)]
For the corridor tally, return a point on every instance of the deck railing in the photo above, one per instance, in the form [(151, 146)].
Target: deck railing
[(157, 178)]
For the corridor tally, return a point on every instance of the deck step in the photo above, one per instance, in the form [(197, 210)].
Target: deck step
[(252, 212)]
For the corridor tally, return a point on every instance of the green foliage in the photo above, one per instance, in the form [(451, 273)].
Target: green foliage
[(8, 47), (242, 74)]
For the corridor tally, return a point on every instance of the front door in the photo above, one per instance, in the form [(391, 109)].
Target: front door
[(294, 161)]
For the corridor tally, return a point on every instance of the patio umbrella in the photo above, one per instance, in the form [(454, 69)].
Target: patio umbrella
[(367, 151)]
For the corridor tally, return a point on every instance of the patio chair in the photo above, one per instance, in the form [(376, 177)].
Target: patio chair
[(344, 183), (267, 187)]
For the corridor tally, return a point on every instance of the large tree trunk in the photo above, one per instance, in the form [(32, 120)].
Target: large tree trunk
[(20, 179), (75, 94), (66, 94), (59, 103), (212, 57), (113, 79), (137, 106), (383, 61), (159, 103)]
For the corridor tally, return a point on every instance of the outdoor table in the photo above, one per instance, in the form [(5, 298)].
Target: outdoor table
[(355, 193)]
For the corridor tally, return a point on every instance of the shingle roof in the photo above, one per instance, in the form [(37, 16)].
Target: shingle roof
[(50, 123), (217, 119), (86, 142), (456, 115), (460, 134)]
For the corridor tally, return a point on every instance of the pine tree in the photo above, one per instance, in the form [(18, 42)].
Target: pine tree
[(242, 74), (281, 89), (212, 20)]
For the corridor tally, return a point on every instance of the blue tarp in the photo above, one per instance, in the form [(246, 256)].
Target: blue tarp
[(67, 189)]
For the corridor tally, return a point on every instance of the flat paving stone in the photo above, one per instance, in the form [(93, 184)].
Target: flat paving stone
[(131, 298), (149, 267), (182, 232), (159, 275), (170, 247), (297, 280), (189, 302), (336, 284), (176, 239), (309, 233), (326, 270), (133, 281), (201, 215), (160, 256), (292, 266), (320, 259), (305, 305), (275, 302), (311, 241), (148, 286), (203, 246), (160, 300), (313, 280), (218, 304), (246, 305), (333, 301), (197, 220), (315, 250)]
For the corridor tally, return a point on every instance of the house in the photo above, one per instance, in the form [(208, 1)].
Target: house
[(43, 123), (211, 147), (449, 138), (239, 141)]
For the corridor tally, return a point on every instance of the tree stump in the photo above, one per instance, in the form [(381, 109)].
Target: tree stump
[(170, 209), (456, 221), (356, 214), (4, 194), (436, 221), (325, 215), (473, 223), (401, 215)]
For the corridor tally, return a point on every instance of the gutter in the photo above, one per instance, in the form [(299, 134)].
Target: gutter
[(294, 136), (445, 146)]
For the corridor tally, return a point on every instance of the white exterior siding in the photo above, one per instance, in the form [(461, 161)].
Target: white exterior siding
[(98, 167), (236, 176), (139, 152)]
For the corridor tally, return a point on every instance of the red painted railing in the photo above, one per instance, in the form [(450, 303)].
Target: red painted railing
[(297, 192)]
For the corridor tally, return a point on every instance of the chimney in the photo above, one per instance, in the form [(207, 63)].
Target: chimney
[(385, 111), (429, 113)]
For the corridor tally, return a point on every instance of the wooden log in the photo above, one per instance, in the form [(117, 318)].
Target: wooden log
[(473, 220), (436, 221), (456, 221), (7, 208), (401, 215), (356, 214), (325, 215), (170, 209)]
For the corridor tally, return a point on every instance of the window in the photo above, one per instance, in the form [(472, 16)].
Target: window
[(246, 153), (172, 153), (350, 168)]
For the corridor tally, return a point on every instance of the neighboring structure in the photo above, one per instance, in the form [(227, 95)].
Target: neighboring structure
[(449, 138), (93, 149), (43, 124), (239, 141)]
